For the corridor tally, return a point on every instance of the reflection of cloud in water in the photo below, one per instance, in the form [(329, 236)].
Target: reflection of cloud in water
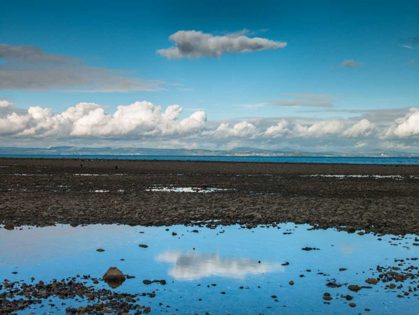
[(192, 266), (347, 249)]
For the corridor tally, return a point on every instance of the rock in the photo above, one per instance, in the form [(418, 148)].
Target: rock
[(100, 250), (350, 229), (348, 297), (354, 287), (9, 226), (291, 282), (352, 304), (310, 248), (114, 277), (371, 281), (147, 282), (327, 297), (143, 246)]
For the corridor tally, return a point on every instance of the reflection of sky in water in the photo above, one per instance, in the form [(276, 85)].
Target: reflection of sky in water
[(193, 266), (229, 259)]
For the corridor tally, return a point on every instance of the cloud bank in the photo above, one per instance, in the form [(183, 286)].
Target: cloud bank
[(90, 120), (144, 123), (29, 68), (194, 44)]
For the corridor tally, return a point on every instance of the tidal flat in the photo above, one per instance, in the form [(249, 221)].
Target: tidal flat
[(208, 237), (228, 270)]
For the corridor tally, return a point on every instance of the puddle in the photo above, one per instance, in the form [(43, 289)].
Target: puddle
[(30, 175), (232, 270), (188, 189), (396, 177), (95, 175)]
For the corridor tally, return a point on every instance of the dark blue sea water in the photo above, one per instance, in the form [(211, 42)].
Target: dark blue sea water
[(258, 159)]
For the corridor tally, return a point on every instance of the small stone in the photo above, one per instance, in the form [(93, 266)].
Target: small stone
[(9, 226), (143, 245), (352, 304), (354, 287), (100, 250), (291, 282), (371, 281)]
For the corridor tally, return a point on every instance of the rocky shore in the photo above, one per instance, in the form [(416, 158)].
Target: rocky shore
[(374, 198)]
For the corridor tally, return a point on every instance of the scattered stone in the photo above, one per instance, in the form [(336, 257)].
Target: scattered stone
[(310, 248)]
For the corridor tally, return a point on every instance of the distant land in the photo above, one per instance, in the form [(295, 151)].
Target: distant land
[(240, 151)]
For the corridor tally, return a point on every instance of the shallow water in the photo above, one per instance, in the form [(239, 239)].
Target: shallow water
[(229, 257)]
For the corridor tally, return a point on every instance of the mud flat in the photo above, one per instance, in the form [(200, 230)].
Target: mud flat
[(372, 198)]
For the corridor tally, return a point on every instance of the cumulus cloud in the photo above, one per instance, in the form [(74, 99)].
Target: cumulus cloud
[(4, 104), (243, 129), (405, 127), (350, 63), (306, 100), (141, 119), (319, 129), (29, 68), (363, 128), (194, 44), (278, 130)]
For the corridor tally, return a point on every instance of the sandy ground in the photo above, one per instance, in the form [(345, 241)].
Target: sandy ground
[(47, 191)]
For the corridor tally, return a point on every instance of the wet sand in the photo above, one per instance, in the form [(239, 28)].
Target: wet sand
[(47, 191)]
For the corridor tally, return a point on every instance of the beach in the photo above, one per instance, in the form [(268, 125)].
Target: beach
[(374, 198)]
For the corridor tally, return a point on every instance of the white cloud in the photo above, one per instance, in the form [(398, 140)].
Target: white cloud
[(4, 104), (319, 129), (90, 120), (278, 130), (360, 145), (239, 130), (363, 128), (194, 44), (407, 126)]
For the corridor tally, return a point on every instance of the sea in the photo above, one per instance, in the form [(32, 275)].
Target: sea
[(254, 159)]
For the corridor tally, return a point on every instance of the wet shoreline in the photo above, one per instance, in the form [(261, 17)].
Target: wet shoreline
[(374, 198)]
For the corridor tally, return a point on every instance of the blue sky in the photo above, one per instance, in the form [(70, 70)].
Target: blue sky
[(379, 38)]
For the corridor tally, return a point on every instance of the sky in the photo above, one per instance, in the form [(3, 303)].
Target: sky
[(301, 75)]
